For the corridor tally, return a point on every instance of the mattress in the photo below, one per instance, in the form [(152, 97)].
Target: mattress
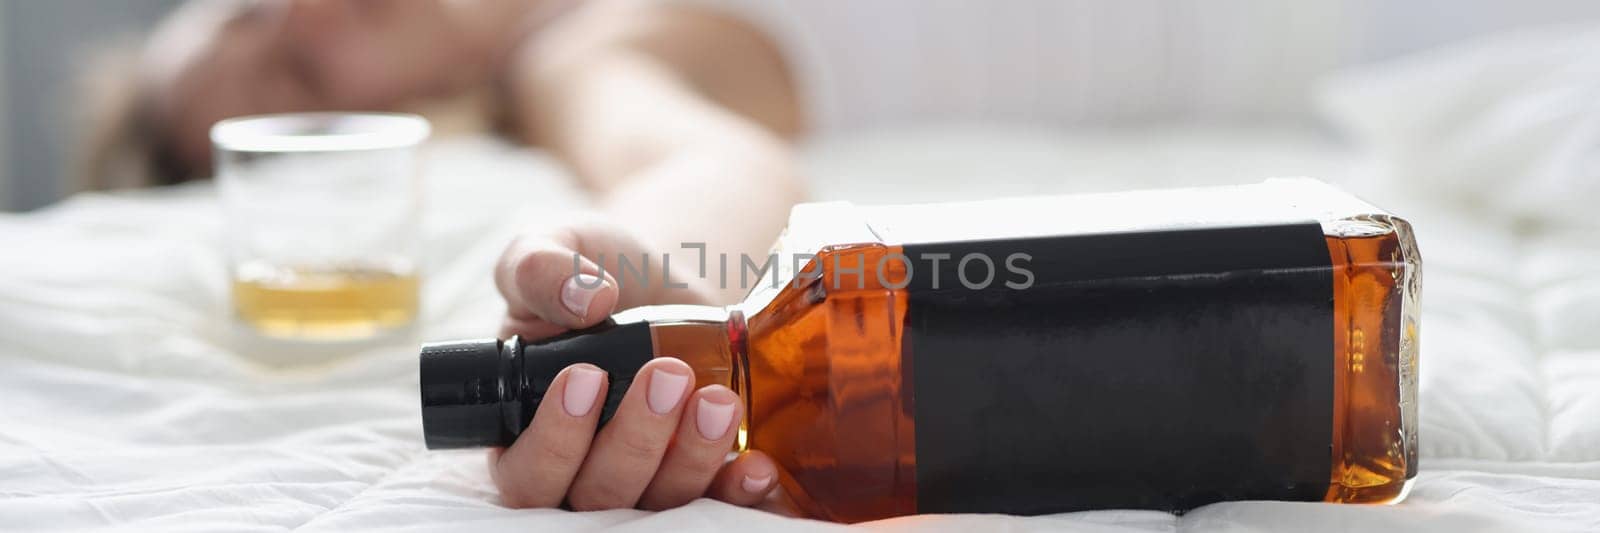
[(129, 399)]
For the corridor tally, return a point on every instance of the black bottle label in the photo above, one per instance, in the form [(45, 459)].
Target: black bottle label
[(1156, 370)]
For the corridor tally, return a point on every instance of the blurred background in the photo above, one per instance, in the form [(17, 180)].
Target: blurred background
[(45, 46)]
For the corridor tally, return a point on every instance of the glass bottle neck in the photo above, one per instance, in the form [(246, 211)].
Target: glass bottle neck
[(712, 340)]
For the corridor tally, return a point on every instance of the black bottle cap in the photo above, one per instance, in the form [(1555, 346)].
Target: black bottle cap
[(465, 390), (483, 392)]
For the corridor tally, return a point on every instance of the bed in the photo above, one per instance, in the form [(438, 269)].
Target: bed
[(129, 400)]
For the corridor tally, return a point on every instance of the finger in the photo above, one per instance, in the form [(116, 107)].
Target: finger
[(627, 451), (699, 449), (544, 279), (538, 468), (746, 480)]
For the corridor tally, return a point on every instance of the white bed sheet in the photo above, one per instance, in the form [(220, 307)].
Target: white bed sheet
[(127, 400)]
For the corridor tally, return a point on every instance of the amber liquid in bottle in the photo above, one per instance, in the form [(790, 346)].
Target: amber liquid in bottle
[(830, 400), (1375, 363)]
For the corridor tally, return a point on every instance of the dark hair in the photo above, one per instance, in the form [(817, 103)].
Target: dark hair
[(122, 143)]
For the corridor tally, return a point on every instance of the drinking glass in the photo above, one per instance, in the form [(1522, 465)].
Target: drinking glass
[(322, 222)]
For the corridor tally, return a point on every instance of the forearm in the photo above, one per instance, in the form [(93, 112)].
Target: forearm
[(731, 196), (664, 157), (729, 191)]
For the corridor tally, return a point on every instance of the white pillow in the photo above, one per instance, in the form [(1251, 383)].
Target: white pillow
[(1508, 124)]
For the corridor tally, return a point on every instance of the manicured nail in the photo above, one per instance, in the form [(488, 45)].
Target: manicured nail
[(578, 291), (665, 390), (583, 386), (713, 419), (755, 484)]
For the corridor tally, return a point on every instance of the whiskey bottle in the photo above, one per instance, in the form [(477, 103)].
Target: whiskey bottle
[(1152, 350)]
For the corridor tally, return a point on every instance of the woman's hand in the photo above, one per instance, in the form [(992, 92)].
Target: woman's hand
[(666, 446), (668, 442)]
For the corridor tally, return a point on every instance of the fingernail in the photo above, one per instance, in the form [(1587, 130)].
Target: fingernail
[(583, 386), (665, 390), (755, 484), (713, 419), (578, 291)]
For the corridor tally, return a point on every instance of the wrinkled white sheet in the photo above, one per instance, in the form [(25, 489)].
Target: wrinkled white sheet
[(128, 400)]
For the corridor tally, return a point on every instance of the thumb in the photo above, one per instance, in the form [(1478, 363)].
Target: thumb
[(546, 283)]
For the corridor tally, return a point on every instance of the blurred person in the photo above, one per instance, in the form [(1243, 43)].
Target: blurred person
[(678, 115), (675, 120)]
